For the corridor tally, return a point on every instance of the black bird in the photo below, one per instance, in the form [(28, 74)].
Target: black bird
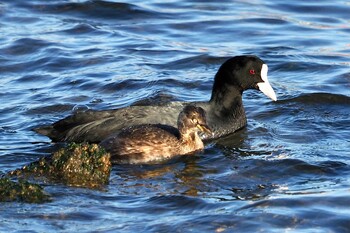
[(224, 111)]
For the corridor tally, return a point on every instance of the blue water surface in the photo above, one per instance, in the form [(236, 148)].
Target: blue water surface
[(287, 171)]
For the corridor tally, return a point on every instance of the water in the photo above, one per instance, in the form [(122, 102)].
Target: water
[(288, 171)]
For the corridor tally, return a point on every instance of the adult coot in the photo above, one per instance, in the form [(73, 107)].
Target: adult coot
[(225, 111)]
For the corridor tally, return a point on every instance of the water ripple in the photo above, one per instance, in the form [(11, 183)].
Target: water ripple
[(287, 170)]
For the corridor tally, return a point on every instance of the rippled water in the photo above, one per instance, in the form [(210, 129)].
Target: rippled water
[(288, 171)]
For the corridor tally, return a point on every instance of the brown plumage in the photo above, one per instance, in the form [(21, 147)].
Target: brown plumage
[(155, 142)]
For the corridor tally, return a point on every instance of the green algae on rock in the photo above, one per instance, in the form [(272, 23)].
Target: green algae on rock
[(21, 191), (81, 165)]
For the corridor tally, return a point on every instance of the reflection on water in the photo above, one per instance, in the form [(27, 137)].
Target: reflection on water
[(288, 170)]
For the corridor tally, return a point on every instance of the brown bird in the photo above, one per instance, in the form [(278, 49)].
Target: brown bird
[(149, 143)]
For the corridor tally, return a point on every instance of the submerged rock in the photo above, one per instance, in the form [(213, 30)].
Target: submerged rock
[(21, 191), (81, 165)]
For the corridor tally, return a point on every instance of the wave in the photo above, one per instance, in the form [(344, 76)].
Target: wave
[(94, 9), (320, 98)]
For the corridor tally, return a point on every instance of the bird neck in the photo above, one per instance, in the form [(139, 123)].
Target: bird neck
[(190, 141), (226, 113), (227, 102)]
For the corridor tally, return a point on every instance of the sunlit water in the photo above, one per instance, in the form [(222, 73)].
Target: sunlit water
[(288, 171)]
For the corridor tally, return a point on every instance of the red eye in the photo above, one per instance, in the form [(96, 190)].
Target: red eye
[(252, 71)]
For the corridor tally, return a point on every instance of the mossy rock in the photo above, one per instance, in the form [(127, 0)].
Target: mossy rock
[(81, 165), (21, 191)]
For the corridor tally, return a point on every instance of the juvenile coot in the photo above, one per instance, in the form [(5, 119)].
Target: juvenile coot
[(151, 143), (225, 111)]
